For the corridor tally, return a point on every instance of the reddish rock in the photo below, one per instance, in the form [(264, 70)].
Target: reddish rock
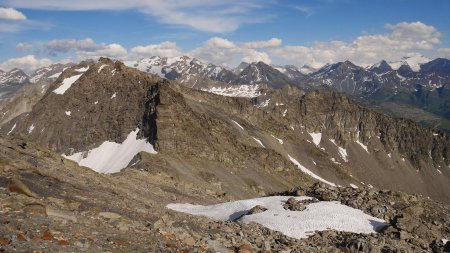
[(47, 236), (21, 237), (121, 242), (63, 242), (245, 248), (4, 241), (90, 238), (171, 245)]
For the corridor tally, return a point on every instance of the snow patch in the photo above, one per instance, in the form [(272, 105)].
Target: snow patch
[(279, 140), (101, 68), (259, 142), (353, 186), (66, 84), (68, 113), (12, 129), (238, 124), (30, 129), (264, 104), (363, 146), (114, 95), (82, 69), (319, 216), (55, 75), (111, 157), (342, 151), (284, 113), (316, 138), (96, 102), (308, 172), (249, 91)]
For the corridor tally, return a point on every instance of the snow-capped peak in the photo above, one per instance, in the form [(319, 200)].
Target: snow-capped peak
[(305, 69), (413, 62)]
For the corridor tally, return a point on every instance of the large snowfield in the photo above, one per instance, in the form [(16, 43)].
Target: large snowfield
[(249, 91), (111, 157), (320, 216)]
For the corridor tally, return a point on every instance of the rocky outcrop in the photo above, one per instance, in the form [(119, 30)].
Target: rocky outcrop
[(106, 103), (344, 121)]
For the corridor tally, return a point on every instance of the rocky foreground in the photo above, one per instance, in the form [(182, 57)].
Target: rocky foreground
[(48, 205)]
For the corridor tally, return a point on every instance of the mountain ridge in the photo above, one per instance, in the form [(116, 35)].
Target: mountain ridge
[(98, 96)]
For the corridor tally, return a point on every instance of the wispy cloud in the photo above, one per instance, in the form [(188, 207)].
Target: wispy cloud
[(24, 46), (307, 10), (12, 20), (219, 16), (85, 48)]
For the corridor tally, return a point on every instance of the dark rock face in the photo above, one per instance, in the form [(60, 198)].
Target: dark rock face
[(149, 126), (381, 68), (438, 66), (343, 120), (103, 104)]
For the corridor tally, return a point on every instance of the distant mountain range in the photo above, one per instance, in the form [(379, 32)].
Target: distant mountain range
[(414, 82), (413, 87)]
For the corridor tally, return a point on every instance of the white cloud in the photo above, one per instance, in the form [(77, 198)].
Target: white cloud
[(111, 50), (403, 39), (85, 48), (274, 42), (26, 63), (443, 52), (256, 56), (218, 16), (11, 14), (218, 51), (23, 46), (224, 52), (165, 49)]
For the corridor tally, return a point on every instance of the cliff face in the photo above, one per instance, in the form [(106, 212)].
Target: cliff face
[(344, 121), (106, 102)]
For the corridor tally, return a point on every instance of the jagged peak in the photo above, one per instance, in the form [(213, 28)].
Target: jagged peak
[(441, 65), (381, 67)]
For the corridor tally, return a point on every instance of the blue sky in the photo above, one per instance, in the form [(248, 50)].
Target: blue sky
[(314, 32)]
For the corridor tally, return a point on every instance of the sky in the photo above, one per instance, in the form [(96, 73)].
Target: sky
[(34, 33)]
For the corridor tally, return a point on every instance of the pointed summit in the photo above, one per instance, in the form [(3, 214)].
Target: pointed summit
[(381, 67)]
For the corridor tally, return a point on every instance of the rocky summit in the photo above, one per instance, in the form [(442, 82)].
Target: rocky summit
[(113, 158)]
